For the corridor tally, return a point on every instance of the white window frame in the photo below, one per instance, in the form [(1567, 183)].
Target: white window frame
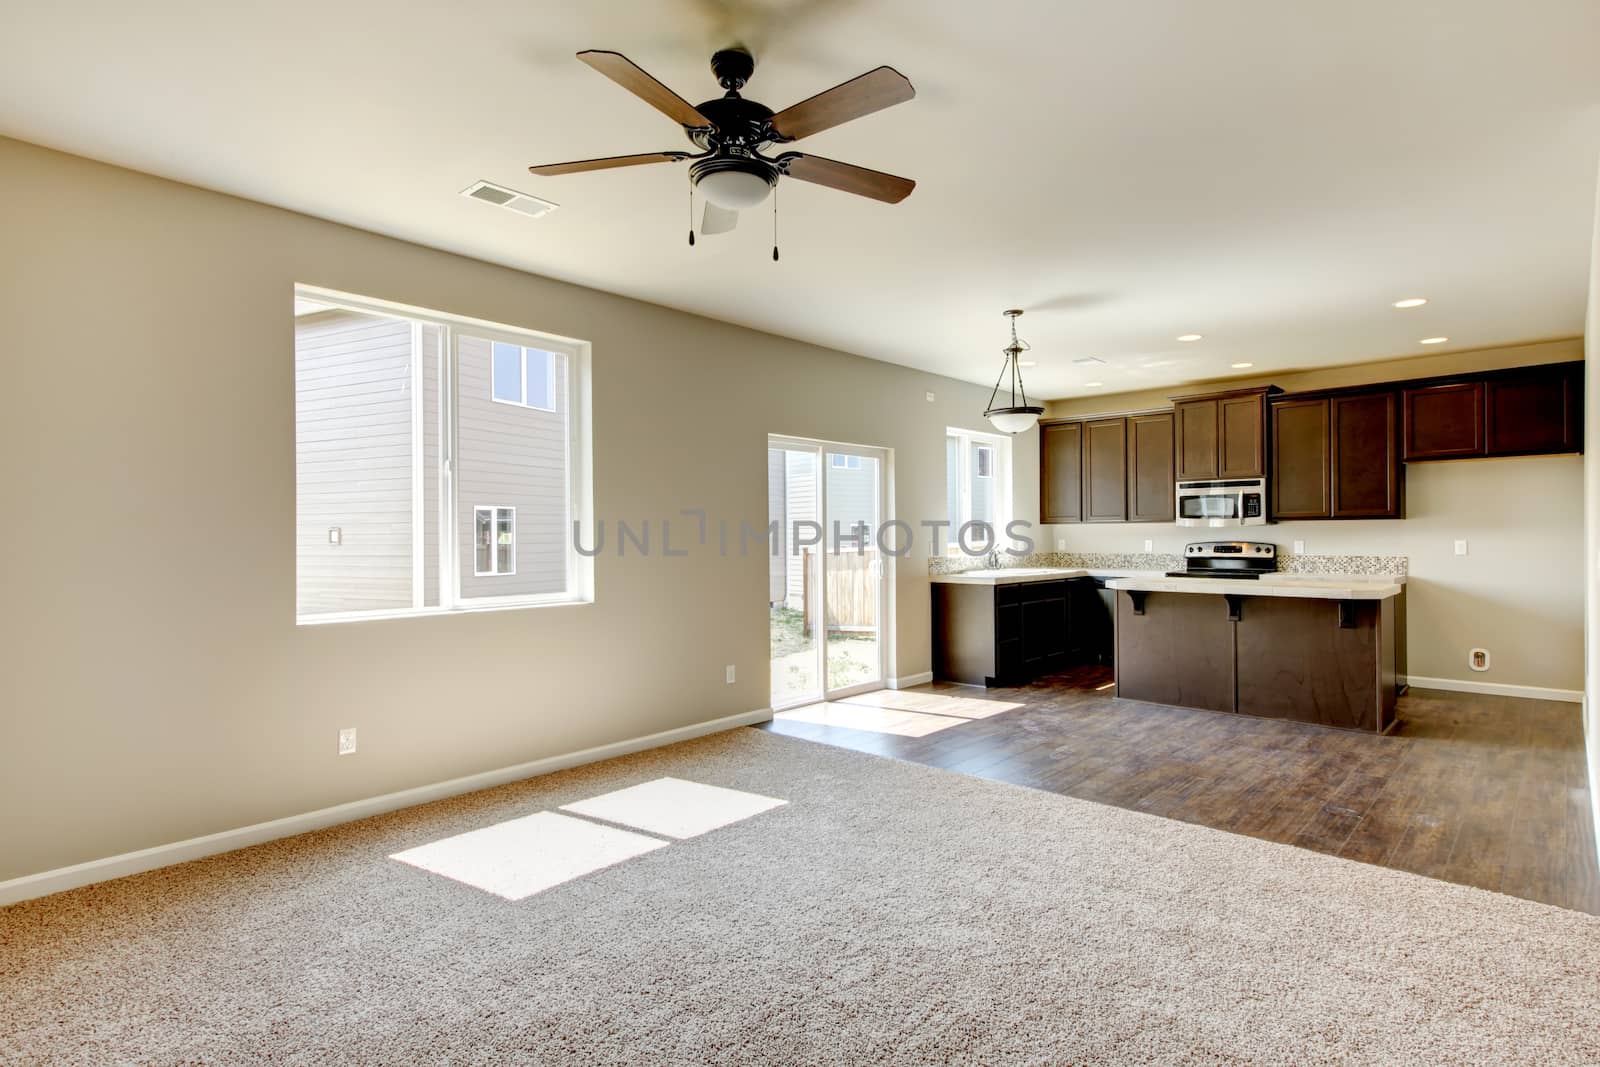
[(579, 454), (999, 473), (522, 377), (495, 511)]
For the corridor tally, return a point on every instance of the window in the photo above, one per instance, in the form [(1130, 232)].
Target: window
[(977, 489), (406, 421), (523, 376), (495, 540), (844, 462)]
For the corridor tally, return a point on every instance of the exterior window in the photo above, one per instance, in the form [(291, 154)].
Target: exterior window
[(977, 488), (845, 462), (495, 541), (522, 376), (406, 421)]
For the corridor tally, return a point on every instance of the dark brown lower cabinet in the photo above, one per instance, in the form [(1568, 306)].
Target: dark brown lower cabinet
[(1330, 662), (1008, 634)]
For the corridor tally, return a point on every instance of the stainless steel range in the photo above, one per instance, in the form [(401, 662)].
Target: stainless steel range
[(1227, 559)]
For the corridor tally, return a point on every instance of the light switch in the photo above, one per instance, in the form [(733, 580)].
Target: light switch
[(930, 397), (1299, 548), (1461, 547), (1149, 545), (335, 535)]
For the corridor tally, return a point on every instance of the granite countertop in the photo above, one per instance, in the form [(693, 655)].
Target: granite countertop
[(1016, 575), (1304, 582), (1302, 586)]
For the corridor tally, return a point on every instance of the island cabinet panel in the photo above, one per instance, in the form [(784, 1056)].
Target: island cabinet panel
[(1443, 421), (1105, 470), (1364, 464), (1177, 648), (1241, 448), (1534, 412), (1196, 428), (1150, 478), (1006, 634), (1296, 661), (1299, 485), (1061, 472)]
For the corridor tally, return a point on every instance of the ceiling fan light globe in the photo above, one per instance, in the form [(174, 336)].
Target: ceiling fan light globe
[(734, 189), (1015, 420)]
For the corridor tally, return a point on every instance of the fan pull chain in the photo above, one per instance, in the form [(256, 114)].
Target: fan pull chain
[(774, 224), (691, 214)]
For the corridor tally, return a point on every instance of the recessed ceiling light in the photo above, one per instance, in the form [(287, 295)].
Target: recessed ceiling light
[(1241, 366), (1411, 302), (1189, 337), (1433, 340), (1027, 363), (1093, 385)]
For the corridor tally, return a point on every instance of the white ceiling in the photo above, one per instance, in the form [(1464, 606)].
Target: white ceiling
[(1271, 175)]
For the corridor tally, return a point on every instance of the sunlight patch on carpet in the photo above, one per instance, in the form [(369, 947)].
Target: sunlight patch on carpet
[(521, 857), (674, 808), (875, 720)]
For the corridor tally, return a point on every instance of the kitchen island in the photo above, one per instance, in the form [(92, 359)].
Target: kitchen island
[(1319, 649)]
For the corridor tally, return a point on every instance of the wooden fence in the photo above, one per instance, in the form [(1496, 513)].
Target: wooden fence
[(852, 589)]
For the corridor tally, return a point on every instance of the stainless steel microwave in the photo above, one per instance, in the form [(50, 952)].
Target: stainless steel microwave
[(1223, 502)]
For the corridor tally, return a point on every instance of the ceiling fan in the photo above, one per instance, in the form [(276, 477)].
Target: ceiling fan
[(731, 132)]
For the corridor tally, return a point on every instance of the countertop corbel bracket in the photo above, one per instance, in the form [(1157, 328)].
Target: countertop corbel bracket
[(1235, 606)]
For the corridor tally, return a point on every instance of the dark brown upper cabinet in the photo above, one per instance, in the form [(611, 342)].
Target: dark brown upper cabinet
[(1364, 462), (1150, 467), (1061, 472), (1525, 411), (1444, 421), (1196, 427), (1534, 411), (1221, 435), (1335, 456), (1105, 470), (1299, 484)]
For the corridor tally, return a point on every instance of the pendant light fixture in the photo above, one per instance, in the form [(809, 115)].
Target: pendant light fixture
[(1015, 417)]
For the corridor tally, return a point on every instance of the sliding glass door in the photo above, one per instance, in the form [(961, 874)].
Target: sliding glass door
[(827, 587)]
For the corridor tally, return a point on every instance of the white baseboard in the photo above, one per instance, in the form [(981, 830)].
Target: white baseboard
[(147, 859), (1528, 692), (910, 680)]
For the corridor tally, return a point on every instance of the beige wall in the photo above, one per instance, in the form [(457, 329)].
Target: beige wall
[(155, 684), (1591, 481), (1466, 361), (1515, 593)]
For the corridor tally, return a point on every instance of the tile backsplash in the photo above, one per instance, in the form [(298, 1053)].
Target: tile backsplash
[(1388, 566)]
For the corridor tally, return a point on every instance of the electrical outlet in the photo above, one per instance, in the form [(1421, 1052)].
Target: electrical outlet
[(930, 397), (1149, 545), (1461, 547), (1478, 659), (730, 674), (347, 741), (1061, 544), (1299, 548)]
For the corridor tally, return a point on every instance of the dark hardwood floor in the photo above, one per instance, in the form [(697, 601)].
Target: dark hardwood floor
[(1484, 791)]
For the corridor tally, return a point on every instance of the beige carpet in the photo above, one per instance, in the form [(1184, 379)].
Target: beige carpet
[(887, 914)]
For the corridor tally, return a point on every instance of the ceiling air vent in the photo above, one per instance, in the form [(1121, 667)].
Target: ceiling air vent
[(510, 199)]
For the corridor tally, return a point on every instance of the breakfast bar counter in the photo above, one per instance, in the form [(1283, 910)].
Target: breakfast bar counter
[(1314, 650)]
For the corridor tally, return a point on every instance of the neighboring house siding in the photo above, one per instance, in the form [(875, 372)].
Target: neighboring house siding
[(777, 492), (511, 456), (800, 477), (353, 459), (852, 498)]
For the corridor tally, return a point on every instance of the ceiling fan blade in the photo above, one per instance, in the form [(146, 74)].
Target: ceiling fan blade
[(717, 219), (622, 70), (872, 91), (550, 170), (846, 177)]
